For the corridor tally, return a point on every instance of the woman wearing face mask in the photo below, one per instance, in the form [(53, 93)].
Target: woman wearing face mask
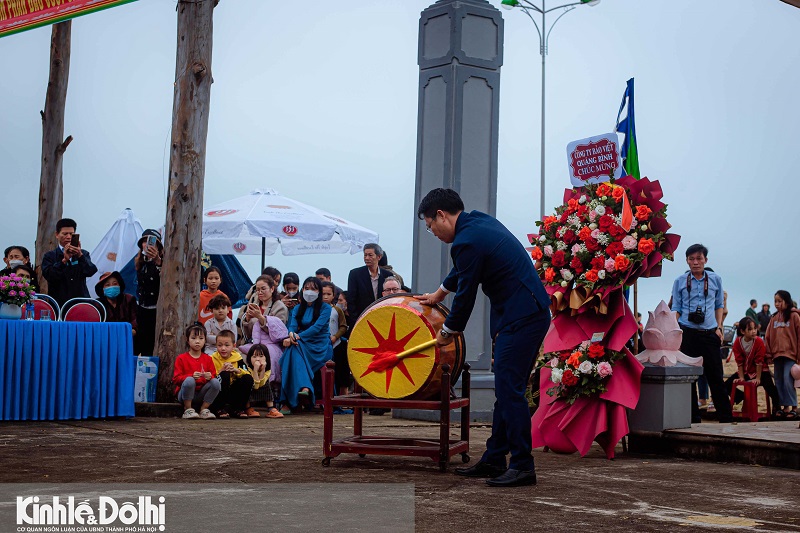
[(291, 294), (120, 307), (307, 347)]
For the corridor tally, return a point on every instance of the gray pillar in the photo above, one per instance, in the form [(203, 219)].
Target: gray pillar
[(460, 54)]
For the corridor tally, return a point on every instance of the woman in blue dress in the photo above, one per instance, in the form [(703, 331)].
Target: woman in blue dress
[(308, 346)]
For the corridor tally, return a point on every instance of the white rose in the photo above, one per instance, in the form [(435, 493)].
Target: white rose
[(556, 374), (604, 198), (592, 226), (585, 367), (582, 199), (635, 235), (542, 238), (601, 274), (600, 210), (566, 274), (564, 283), (643, 227)]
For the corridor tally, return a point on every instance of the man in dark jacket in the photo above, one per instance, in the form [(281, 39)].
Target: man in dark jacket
[(485, 253), (365, 284), (67, 267), (763, 319)]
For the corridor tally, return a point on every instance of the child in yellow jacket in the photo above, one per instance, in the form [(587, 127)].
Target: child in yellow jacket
[(236, 379)]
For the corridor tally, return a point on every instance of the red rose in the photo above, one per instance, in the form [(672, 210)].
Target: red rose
[(643, 212), (604, 189), (618, 193), (614, 248), (570, 237), (549, 275), (549, 221), (582, 210), (592, 245), (591, 276), (559, 259), (568, 378), (621, 262), (595, 351), (536, 253), (585, 233), (563, 356), (605, 223), (617, 232), (598, 262), (646, 246), (572, 205), (563, 217)]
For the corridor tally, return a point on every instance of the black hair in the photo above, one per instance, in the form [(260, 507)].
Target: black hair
[(753, 302), (375, 247), (24, 251), (291, 277), (693, 249), (787, 299), (66, 223), (271, 271), (384, 260), (226, 333), (301, 309), (323, 272), (258, 349), (743, 323), (28, 270), (197, 327), (446, 200), (211, 269), (219, 301)]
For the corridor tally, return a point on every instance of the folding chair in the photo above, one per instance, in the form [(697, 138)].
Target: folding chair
[(83, 310)]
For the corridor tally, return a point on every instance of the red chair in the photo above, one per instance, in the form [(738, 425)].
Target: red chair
[(43, 302), (83, 310), (750, 405)]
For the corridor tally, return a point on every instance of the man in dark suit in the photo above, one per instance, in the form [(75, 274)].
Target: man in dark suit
[(67, 267), (485, 253), (365, 284)]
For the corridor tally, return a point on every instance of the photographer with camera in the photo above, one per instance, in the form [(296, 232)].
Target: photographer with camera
[(698, 302), (68, 266)]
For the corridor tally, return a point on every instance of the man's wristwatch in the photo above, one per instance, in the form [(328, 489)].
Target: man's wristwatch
[(445, 334)]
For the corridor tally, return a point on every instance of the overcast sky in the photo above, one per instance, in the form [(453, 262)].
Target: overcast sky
[(318, 100)]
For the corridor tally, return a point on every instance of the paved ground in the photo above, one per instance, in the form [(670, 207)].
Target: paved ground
[(631, 493)]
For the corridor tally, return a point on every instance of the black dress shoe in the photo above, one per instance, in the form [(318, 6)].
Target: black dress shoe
[(513, 478), (480, 469)]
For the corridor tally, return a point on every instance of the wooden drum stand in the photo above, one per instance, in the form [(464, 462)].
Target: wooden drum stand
[(440, 450)]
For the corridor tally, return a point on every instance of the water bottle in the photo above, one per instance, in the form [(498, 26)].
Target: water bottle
[(29, 311)]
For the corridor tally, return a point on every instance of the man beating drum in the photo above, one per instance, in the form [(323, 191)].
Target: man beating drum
[(485, 253)]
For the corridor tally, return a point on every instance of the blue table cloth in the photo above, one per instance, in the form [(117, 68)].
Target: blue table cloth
[(65, 370)]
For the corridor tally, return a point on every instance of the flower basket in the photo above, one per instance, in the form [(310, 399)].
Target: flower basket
[(15, 290)]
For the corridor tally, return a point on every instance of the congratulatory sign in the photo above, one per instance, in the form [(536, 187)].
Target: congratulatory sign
[(21, 15), (592, 160)]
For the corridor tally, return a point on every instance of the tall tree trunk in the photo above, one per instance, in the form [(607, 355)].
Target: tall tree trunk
[(51, 187), (180, 276)]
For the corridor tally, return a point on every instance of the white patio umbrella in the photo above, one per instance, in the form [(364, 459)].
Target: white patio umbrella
[(263, 220)]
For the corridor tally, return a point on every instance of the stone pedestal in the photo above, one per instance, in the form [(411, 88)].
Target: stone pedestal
[(665, 400)]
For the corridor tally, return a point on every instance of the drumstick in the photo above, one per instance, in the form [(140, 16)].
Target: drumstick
[(415, 349)]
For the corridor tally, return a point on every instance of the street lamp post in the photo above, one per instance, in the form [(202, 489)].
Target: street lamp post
[(544, 37)]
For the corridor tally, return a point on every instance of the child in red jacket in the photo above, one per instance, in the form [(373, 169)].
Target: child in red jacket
[(750, 354), (194, 371)]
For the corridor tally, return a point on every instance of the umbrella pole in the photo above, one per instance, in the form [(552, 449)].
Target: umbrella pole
[(263, 253)]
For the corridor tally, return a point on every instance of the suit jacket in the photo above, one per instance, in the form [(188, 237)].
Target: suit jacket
[(65, 281), (485, 253), (359, 290)]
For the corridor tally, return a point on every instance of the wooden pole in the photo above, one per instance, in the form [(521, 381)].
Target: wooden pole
[(178, 300), (51, 187)]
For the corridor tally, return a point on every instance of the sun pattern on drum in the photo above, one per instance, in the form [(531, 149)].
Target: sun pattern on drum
[(384, 347)]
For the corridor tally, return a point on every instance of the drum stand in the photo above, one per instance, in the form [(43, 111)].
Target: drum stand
[(440, 450)]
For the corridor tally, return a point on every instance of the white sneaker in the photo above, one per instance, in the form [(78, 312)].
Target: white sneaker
[(205, 414), (190, 414)]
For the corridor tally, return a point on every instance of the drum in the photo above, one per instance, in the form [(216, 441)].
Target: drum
[(392, 351)]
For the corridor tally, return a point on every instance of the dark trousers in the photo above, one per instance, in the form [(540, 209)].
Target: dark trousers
[(515, 350), (706, 344), (235, 393), (145, 340), (766, 382)]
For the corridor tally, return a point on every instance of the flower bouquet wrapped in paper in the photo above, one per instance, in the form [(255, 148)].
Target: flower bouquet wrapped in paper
[(601, 239)]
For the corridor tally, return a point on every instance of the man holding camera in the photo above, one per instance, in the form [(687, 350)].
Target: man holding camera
[(67, 267), (698, 302)]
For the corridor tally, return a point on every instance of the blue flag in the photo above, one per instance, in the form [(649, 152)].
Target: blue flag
[(630, 151)]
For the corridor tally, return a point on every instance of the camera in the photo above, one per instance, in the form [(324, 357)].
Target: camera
[(698, 316)]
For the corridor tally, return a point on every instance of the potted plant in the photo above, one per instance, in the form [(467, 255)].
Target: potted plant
[(15, 292)]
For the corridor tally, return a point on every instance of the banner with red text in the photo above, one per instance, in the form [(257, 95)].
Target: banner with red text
[(594, 159), (21, 15)]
